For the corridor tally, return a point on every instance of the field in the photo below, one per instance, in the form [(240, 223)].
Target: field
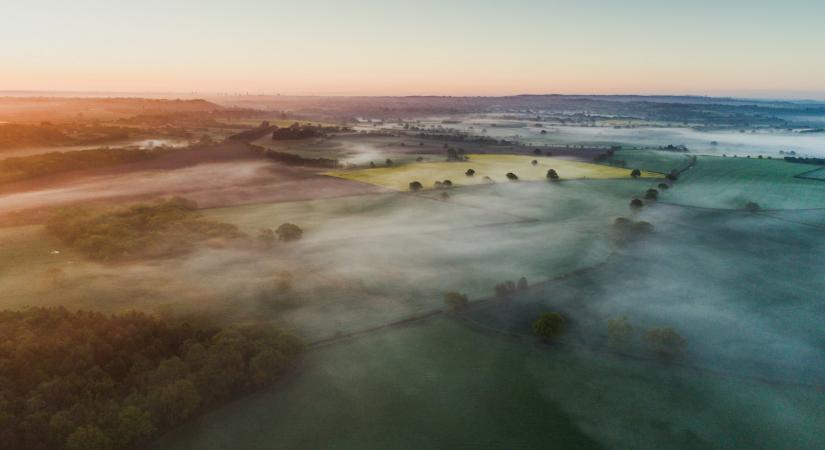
[(439, 384), (730, 183), (494, 166), (651, 160)]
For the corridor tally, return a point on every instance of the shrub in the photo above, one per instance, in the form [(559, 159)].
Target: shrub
[(665, 342), (455, 300), (549, 326), (289, 232)]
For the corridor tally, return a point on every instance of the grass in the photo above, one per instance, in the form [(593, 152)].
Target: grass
[(494, 166), (652, 160), (439, 384), (730, 183)]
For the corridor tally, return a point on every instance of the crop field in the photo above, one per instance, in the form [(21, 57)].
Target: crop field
[(730, 183), (495, 167), (440, 383)]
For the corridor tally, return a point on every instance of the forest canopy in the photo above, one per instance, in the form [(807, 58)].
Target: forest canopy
[(79, 380), (145, 230)]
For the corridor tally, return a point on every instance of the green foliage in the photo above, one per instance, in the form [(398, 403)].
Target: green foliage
[(455, 300), (665, 342), (84, 380), (636, 173), (166, 228), (652, 194), (619, 332), (23, 167), (552, 175), (549, 326), (289, 232)]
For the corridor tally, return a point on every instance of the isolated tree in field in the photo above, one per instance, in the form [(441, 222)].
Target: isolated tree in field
[(488, 180), (552, 175), (511, 176), (388, 162), (470, 172), (549, 326), (537, 152), (455, 300), (447, 183), (752, 207), (420, 158), (522, 284), (416, 186), (665, 342), (636, 204), (289, 232), (652, 194), (267, 236), (372, 164), (619, 332), (534, 162), (636, 173)]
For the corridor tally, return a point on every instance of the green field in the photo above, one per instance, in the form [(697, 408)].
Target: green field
[(651, 160), (439, 384), (730, 183), (495, 167)]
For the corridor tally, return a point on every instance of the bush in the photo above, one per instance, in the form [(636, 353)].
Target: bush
[(455, 300), (549, 326), (289, 232), (665, 342)]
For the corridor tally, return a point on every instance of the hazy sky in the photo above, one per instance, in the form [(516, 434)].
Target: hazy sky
[(732, 47)]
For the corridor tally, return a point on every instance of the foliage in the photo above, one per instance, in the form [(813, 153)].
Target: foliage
[(267, 236), (636, 173), (619, 332), (289, 232), (23, 167), (652, 194), (549, 326), (416, 186), (752, 207), (636, 203), (552, 175), (665, 342), (511, 176), (85, 380), (455, 300), (470, 172), (162, 229)]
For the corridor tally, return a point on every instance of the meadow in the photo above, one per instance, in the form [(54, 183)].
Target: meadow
[(440, 384), (496, 167)]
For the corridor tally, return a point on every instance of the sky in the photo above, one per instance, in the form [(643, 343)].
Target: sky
[(391, 47)]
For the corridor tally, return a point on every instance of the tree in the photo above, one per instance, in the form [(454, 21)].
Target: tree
[(511, 176), (652, 194), (267, 236), (636, 204), (522, 284), (752, 207), (88, 438), (134, 425), (663, 186), (289, 232), (552, 175), (447, 183), (416, 186), (665, 342), (549, 326), (534, 162), (455, 300), (636, 173), (619, 332), (470, 172), (673, 175)]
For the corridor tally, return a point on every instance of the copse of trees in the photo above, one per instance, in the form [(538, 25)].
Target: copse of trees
[(455, 300), (549, 326), (85, 380), (144, 230), (24, 167), (289, 232)]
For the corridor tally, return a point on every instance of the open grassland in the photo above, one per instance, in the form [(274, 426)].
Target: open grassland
[(495, 167), (363, 261), (650, 160), (731, 183), (439, 384)]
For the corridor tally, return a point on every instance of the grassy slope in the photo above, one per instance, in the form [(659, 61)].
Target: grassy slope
[(441, 385), (493, 166)]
